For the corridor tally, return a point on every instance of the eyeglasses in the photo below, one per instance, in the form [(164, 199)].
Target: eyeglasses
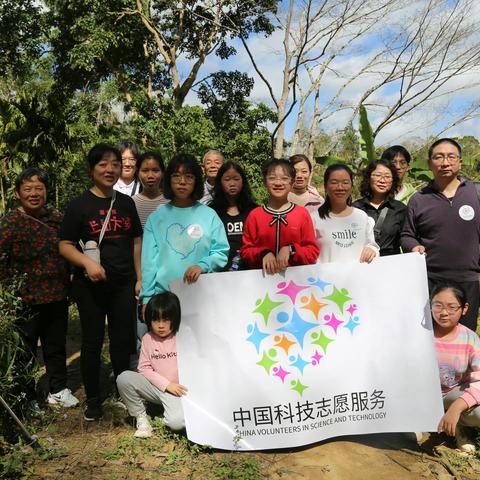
[(450, 158), (283, 180), (187, 178), (379, 176), (451, 309)]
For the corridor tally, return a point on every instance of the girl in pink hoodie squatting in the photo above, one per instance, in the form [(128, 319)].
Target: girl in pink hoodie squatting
[(157, 377)]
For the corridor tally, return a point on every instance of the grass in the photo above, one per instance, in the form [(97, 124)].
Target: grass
[(167, 453)]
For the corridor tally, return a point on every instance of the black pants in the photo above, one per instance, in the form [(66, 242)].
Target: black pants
[(95, 301), (472, 289), (47, 322)]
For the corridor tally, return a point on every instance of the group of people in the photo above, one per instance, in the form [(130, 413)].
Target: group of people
[(142, 225)]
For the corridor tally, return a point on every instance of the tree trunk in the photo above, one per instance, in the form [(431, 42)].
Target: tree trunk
[(278, 149)]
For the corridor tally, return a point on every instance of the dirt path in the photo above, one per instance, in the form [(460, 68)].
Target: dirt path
[(381, 456)]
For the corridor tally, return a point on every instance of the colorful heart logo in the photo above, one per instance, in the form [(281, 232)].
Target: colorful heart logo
[(294, 327), (180, 241)]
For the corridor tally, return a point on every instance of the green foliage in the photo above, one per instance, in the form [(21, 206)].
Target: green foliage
[(13, 372), (235, 467), (91, 41), (22, 27), (224, 95), (419, 170), (96, 39), (470, 151), (350, 145), (15, 461), (366, 136)]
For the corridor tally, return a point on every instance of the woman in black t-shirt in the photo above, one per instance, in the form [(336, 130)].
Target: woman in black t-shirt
[(378, 187), (106, 288), (232, 200)]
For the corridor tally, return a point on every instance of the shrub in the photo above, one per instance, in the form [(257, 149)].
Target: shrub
[(13, 371)]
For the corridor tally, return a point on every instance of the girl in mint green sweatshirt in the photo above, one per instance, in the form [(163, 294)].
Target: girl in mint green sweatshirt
[(183, 238)]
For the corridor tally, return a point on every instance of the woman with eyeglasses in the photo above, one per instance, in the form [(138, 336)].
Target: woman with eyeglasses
[(400, 158), (458, 356), (183, 238), (128, 183), (378, 187), (343, 232)]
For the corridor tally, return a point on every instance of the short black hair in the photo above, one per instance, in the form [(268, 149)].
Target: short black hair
[(278, 162), (244, 200), (324, 209), (28, 174), (456, 289), (128, 145), (98, 151), (365, 187), (164, 305), (391, 152), (191, 166), (151, 155), (444, 140)]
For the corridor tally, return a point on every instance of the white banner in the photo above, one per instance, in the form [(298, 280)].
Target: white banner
[(322, 351)]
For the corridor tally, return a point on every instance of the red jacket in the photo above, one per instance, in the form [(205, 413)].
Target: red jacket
[(269, 230)]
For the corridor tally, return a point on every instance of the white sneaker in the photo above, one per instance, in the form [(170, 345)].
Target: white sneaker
[(464, 443), (64, 398), (144, 429)]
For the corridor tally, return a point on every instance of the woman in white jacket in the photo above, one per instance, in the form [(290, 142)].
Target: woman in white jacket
[(344, 233)]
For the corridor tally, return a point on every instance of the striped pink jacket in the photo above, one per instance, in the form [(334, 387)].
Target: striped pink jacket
[(459, 364)]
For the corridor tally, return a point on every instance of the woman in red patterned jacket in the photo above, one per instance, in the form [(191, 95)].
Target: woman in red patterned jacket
[(29, 251)]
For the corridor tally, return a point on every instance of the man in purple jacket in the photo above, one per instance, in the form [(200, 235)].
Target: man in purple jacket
[(443, 222)]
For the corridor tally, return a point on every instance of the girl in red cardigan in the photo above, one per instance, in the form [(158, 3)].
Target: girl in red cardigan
[(280, 233)]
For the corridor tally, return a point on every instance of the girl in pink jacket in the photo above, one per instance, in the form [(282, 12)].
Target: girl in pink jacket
[(157, 377)]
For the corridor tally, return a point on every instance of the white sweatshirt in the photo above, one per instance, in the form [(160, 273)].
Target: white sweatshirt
[(342, 239)]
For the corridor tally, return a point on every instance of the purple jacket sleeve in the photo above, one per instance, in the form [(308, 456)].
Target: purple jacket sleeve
[(408, 238)]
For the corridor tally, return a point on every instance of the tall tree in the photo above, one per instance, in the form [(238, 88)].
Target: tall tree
[(152, 45), (314, 33)]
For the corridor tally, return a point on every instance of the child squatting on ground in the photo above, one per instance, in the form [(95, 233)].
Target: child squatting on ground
[(458, 355), (157, 377)]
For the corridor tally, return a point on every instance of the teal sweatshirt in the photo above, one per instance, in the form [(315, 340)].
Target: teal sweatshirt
[(174, 239)]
